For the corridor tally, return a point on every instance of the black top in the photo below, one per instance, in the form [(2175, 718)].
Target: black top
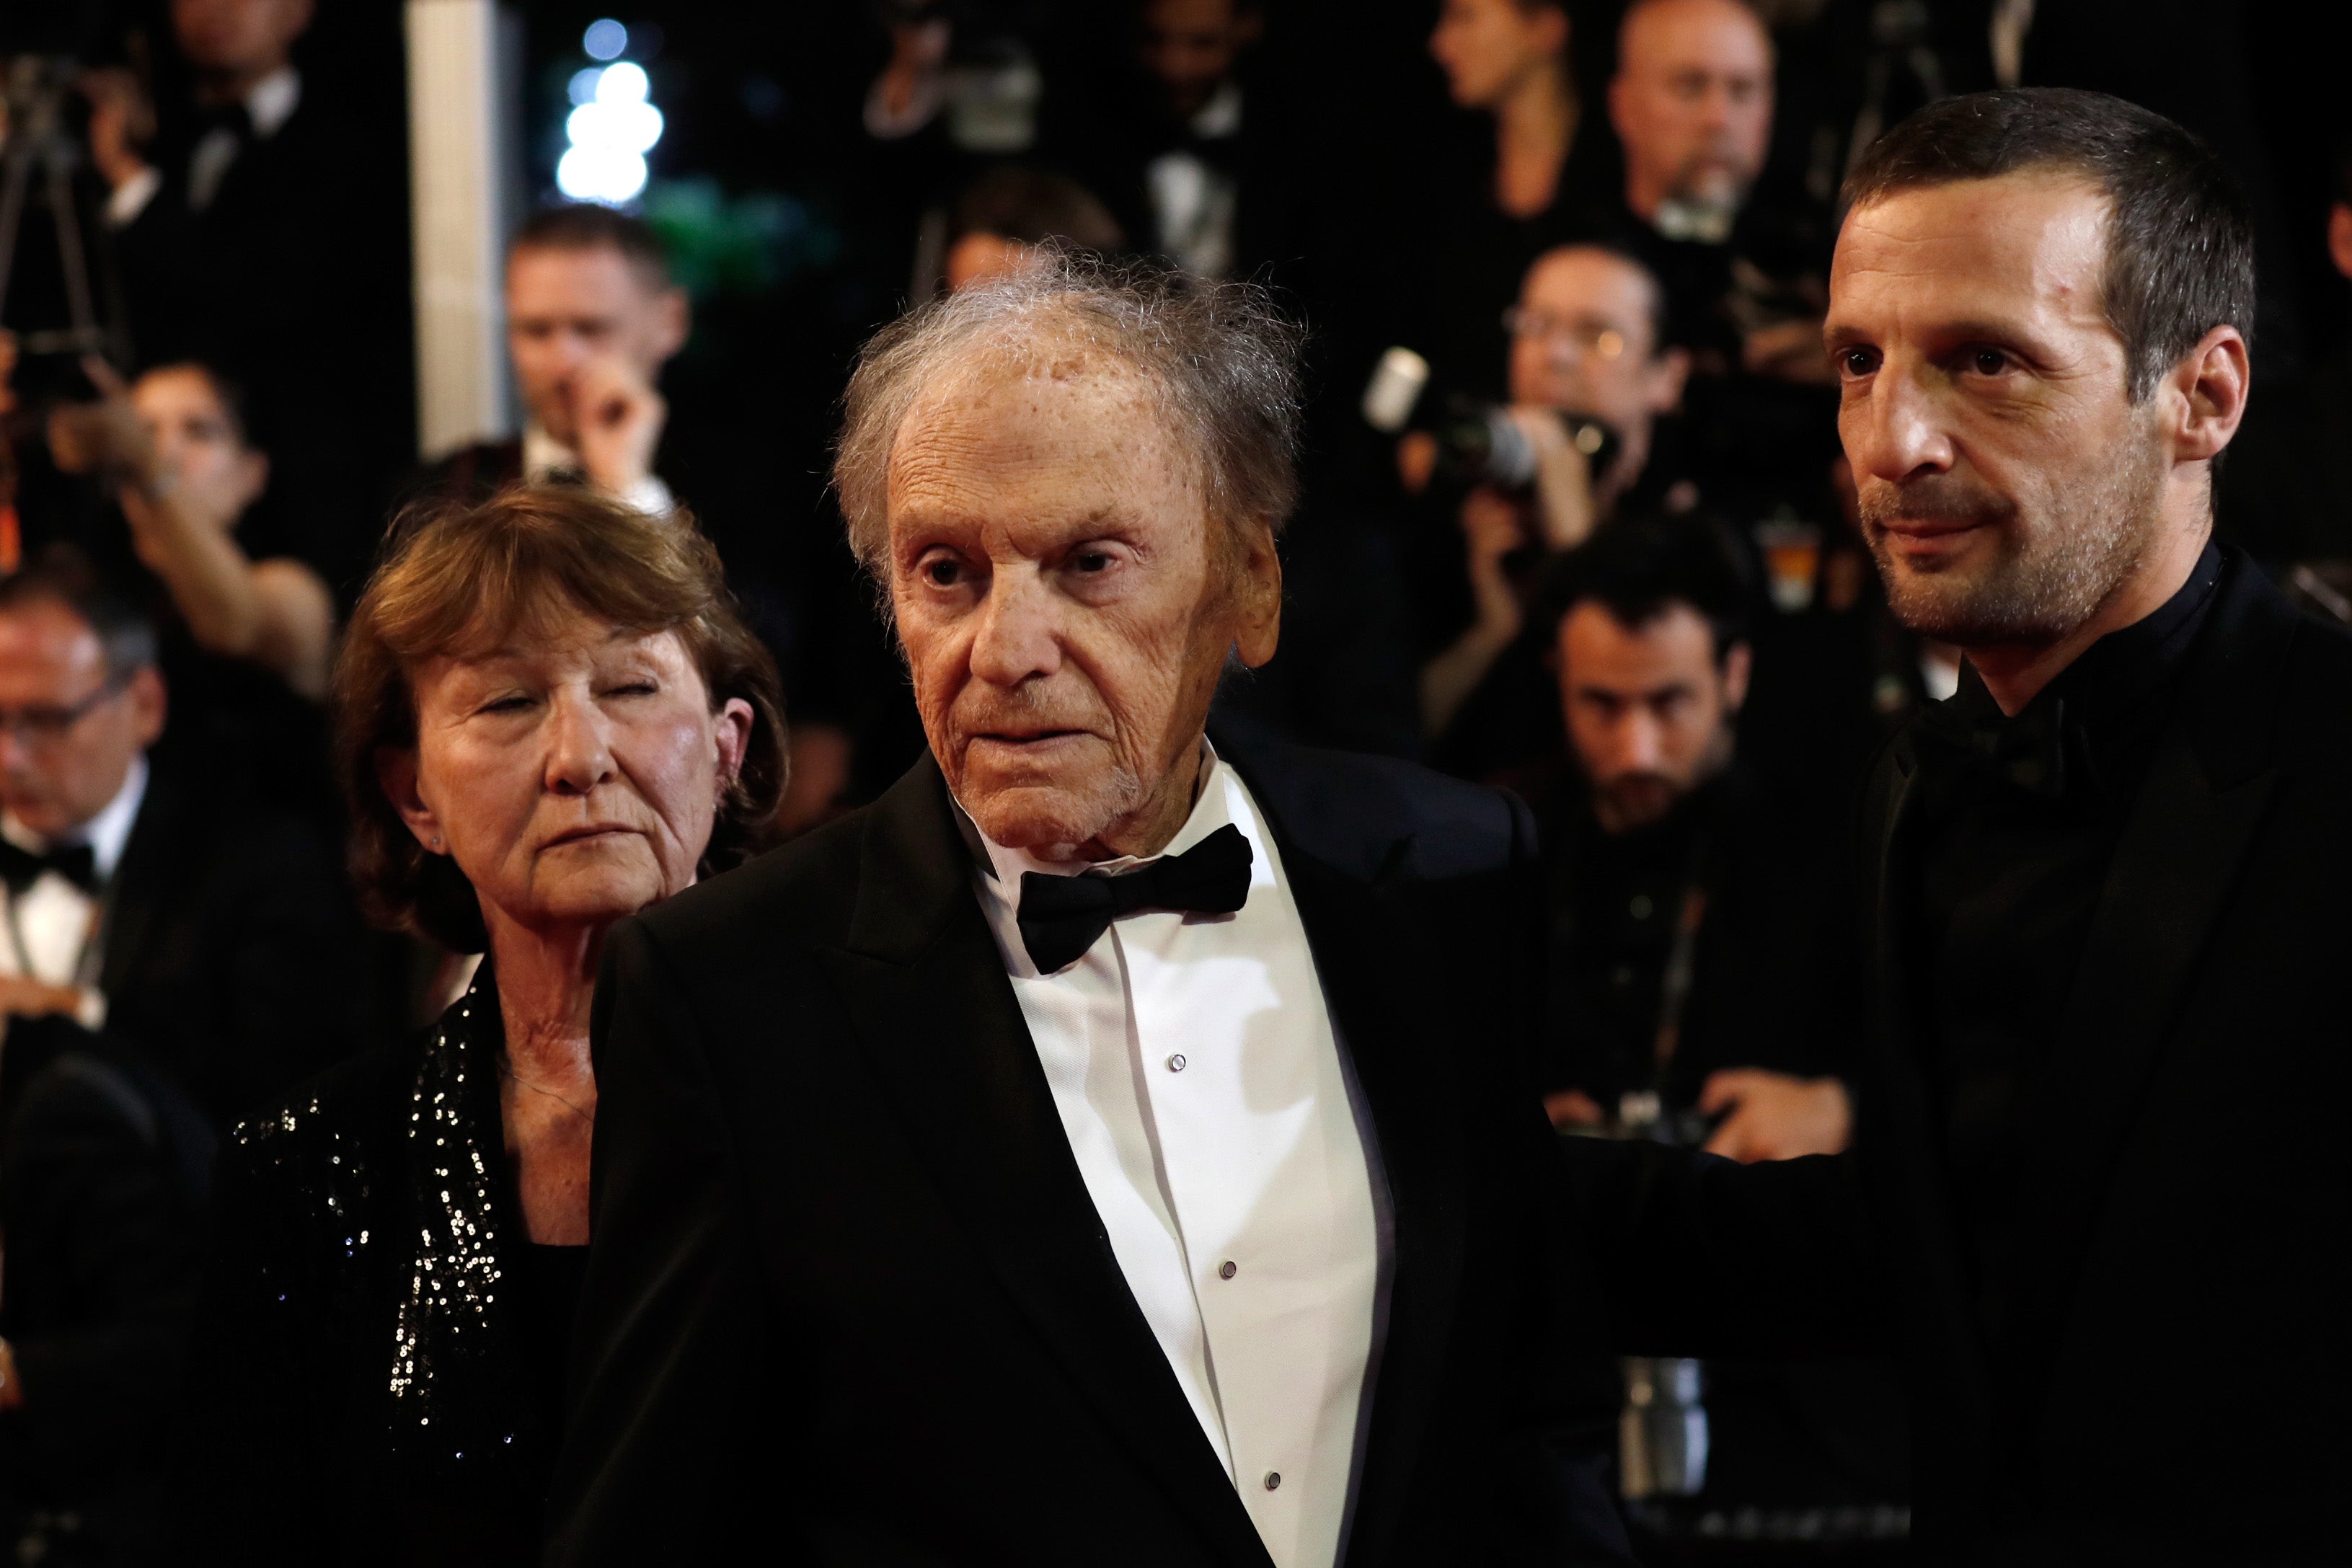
[(2019, 818), (399, 1342)]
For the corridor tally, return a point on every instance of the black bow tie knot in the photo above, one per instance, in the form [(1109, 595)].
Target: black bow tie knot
[(2038, 751), (1062, 917), (20, 868)]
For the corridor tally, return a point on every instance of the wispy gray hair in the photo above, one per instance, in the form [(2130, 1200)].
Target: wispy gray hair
[(1220, 359)]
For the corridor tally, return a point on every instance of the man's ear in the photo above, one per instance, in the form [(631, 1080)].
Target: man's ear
[(1739, 665), (1669, 374), (2212, 381), (151, 704), (395, 775), (674, 321), (2339, 236), (1258, 598)]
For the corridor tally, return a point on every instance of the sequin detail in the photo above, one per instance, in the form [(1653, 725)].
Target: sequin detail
[(442, 1334)]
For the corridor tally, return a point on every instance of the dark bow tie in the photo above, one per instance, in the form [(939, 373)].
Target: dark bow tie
[(2037, 751), (1062, 917), (20, 868)]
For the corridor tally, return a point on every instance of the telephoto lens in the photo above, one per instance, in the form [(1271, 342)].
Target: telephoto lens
[(1481, 444)]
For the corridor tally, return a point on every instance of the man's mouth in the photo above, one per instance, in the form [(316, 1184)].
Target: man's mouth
[(590, 830)]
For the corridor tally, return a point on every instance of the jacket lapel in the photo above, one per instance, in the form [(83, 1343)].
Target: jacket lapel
[(2173, 868), (139, 878), (926, 989), (1900, 1142)]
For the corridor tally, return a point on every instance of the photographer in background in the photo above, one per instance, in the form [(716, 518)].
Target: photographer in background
[(1697, 995), (1586, 339)]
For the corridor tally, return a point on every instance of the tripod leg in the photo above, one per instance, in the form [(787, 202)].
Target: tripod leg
[(17, 175), (78, 304)]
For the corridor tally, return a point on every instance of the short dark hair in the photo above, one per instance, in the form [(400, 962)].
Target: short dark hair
[(226, 391), (2181, 234), (459, 579), (1660, 314), (1640, 567), (1033, 205), (584, 225), (63, 576)]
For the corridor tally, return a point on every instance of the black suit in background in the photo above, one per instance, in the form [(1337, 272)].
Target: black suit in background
[(2162, 1375), (294, 281), (233, 954), (103, 1176), (849, 1301)]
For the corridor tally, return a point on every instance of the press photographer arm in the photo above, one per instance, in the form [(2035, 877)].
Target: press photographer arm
[(276, 613)]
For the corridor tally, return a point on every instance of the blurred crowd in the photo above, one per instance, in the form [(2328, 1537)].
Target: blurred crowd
[(1575, 520)]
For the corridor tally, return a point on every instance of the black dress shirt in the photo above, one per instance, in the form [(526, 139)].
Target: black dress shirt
[(2019, 820)]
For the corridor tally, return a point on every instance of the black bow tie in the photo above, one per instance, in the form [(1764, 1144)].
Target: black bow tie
[(2037, 751), (21, 867), (1062, 917)]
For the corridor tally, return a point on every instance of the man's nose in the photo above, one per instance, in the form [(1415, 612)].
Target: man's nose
[(580, 745), (1641, 743), (1019, 634), (1895, 430)]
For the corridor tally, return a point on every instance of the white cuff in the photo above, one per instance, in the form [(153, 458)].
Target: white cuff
[(131, 197), (651, 496)]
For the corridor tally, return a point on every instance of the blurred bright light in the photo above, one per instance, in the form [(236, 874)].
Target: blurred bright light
[(612, 126), (608, 174), (630, 127), (604, 39), (624, 83)]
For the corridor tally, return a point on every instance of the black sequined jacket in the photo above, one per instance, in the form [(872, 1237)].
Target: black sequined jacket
[(366, 1365)]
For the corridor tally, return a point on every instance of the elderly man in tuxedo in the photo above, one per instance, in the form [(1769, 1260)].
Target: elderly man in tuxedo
[(1105, 1147)]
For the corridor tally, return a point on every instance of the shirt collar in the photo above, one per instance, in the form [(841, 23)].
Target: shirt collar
[(273, 100), (108, 834), (543, 454), (2110, 682), (1005, 865)]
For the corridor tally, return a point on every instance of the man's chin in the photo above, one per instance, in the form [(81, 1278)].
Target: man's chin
[(1038, 817)]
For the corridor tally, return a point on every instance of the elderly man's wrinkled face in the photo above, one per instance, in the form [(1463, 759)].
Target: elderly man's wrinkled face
[(574, 778), (2007, 482), (1065, 601)]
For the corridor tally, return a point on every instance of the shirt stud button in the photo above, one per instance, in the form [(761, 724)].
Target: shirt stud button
[(1273, 1479), (1176, 1063), (1228, 1269)]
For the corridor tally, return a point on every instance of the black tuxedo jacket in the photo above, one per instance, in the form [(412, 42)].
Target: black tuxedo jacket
[(233, 953), (2172, 1385), (850, 1303)]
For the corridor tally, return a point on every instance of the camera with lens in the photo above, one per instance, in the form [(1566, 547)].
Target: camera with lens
[(1479, 442)]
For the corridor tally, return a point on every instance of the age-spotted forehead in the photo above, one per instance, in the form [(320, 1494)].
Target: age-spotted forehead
[(1046, 434)]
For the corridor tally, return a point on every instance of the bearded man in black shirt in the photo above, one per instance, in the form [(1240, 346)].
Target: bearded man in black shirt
[(2100, 1160)]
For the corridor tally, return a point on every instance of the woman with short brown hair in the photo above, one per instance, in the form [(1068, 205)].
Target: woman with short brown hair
[(548, 716)]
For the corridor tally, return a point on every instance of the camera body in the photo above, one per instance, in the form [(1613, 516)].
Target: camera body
[(1479, 442)]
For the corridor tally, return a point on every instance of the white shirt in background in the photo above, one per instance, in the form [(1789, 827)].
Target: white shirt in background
[(58, 922), (543, 455)]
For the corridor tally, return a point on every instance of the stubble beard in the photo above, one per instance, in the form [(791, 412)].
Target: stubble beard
[(2055, 561)]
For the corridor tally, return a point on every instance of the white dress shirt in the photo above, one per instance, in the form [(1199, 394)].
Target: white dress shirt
[(270, 104), (55, 922), (1199, 1078), (542, 456)]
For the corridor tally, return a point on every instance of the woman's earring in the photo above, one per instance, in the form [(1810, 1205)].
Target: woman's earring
[(436, 840)]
